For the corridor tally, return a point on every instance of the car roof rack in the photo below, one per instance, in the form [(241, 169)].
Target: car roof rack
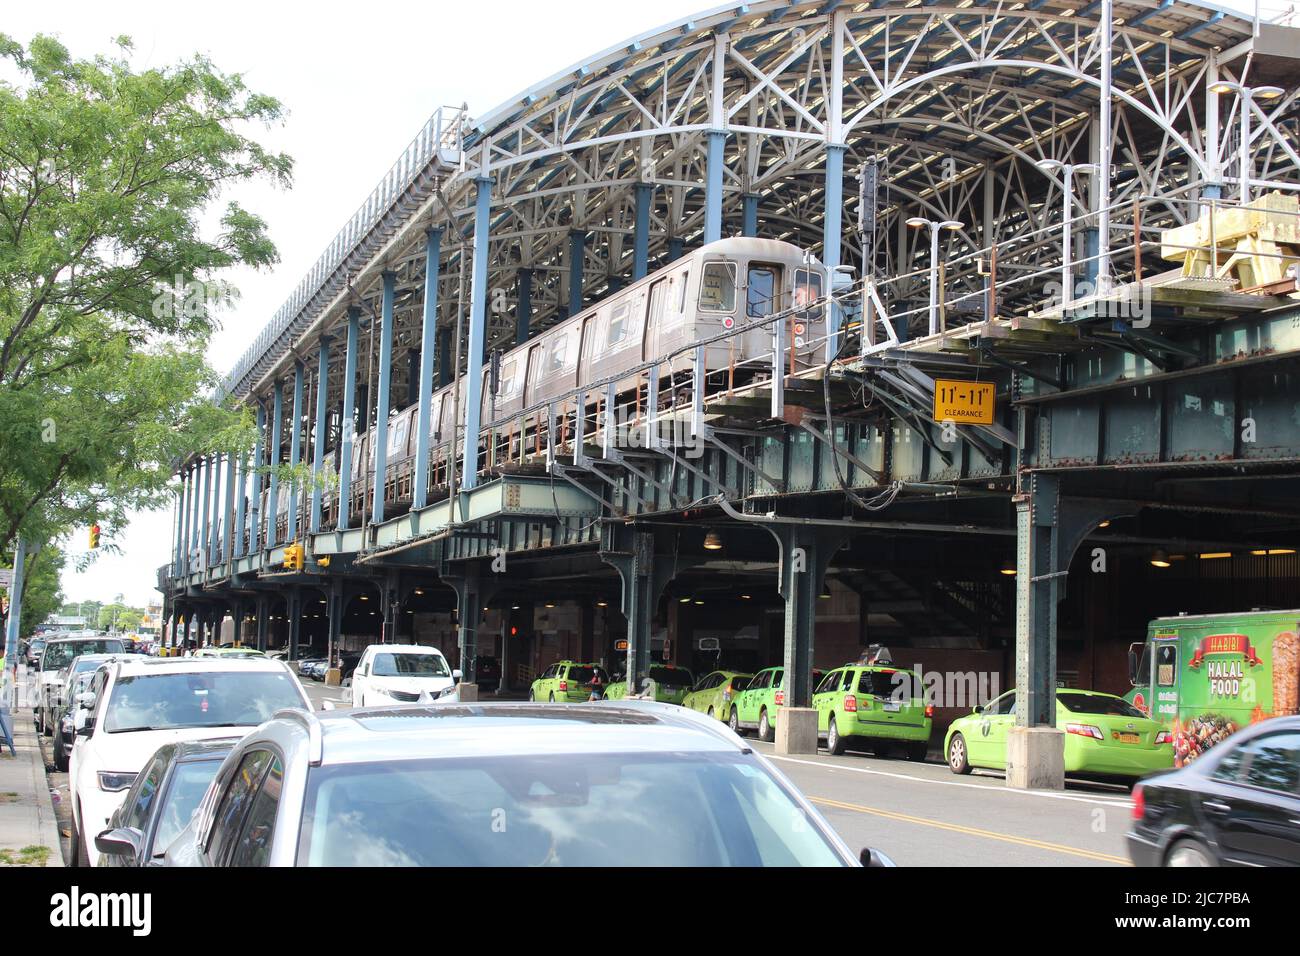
[(315, 740)]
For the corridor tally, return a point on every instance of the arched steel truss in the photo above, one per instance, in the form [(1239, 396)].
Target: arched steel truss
[(733, 114)]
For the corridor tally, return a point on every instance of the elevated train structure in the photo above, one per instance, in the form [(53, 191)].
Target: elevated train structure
[(705, 292)]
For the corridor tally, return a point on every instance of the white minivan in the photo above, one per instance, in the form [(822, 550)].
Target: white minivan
[(401, 674)]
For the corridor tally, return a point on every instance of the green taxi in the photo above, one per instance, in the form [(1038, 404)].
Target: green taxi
[(716, 693), (669, 684), (1105, 736), (879, 706), (757, 704), (567, 682)]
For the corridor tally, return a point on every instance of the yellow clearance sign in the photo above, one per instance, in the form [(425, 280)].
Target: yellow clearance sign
[(966, 403)]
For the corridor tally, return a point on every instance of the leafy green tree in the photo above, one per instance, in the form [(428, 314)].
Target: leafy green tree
[(42, 595), (109, 267)]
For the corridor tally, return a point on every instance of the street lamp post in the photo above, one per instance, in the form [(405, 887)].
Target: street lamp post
[(935, 226), (1068, 171), (1246, 95)]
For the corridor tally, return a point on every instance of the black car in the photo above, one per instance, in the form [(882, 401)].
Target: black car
[(161, 801), (1238, 805)]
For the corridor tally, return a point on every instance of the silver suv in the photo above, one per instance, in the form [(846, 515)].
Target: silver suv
[(503, 784)]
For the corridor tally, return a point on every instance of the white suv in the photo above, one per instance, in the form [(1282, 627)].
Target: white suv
[(136, 706), (401, 674)]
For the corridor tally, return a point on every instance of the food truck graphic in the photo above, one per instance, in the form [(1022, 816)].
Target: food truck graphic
[(1205, 676)]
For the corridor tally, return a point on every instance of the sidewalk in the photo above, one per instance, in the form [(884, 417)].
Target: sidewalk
[(29, 835)]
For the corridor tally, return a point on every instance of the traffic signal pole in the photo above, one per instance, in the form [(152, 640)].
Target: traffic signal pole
[(15, 616)]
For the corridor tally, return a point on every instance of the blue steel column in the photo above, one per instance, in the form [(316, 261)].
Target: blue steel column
[(273, 492), (183, 528), (381, 406), (477, 333), (206, 517), (577, 253), (228, 522), (214, 549), (241, 505), (318, 432), (749, 215), (524, 310), (196, 493), (713, 187), (255, 503), (641, 231), (346, 427), (428, 345), (831, 234), (178, 544), (676, 247), (295, 451)]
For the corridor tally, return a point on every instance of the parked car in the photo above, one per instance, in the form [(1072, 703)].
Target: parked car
[(400, 673), (669, 684), (876, 705), (32, 654), (1236, 805), (757, 705), (1105, 736), (421, 786), (716, 692), (161, 802), (75, 679), (51, 678), (567, 682), (230, 653), (487, 673), (136, 706)]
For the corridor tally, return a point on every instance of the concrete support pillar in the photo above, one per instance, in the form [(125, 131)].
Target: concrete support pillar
[(273, 492), (295, 450), (577, 258), (334, 605), (319, 429), (749, 215), (428, 349), (348, 423), (717, 141), (385, 386), (477, 333), (524, 306), (644, 193)]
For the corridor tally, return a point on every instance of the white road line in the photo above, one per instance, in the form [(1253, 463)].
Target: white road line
[(1077, 798)]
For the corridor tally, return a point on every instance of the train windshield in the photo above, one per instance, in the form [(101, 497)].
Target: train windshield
[(718, 287), (807, 290)]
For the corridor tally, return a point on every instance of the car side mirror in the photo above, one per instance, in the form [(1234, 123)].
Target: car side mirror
[(977, 709), (870, 857), (123, 841), (86, 700), (456, 675)]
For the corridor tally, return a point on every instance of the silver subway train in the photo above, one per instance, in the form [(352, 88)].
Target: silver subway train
[(733, 284)]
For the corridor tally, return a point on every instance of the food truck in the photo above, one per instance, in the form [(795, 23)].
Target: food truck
[(1206, 676)]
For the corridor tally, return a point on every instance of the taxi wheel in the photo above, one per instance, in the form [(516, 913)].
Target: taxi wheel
[(765, 731), (958, 759), (917, 752), (834, 742), (532, 698), (734, 722), (551, 699)]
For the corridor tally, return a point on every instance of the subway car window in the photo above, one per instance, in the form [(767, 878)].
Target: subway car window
[(718, 287), (760, 294), (807, 290), (617, 331)]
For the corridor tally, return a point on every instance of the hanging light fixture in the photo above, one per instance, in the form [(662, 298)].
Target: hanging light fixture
[(1160, 559), (712, 541), (1009, 570)]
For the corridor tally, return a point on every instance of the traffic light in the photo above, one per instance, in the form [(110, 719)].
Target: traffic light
[(293, 557), (94, 535)]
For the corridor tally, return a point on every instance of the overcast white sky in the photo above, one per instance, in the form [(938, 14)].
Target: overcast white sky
[(358, 81)]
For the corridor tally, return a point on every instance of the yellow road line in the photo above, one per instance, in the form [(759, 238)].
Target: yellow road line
[(974, 831)]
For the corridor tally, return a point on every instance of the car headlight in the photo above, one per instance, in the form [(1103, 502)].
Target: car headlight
[(111, 782)]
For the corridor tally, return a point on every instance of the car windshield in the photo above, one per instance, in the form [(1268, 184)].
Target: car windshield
[(672, 676), (58, 655), (190, 781), (198, 699), (1100, 704), (659, 809), (410, 665)]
